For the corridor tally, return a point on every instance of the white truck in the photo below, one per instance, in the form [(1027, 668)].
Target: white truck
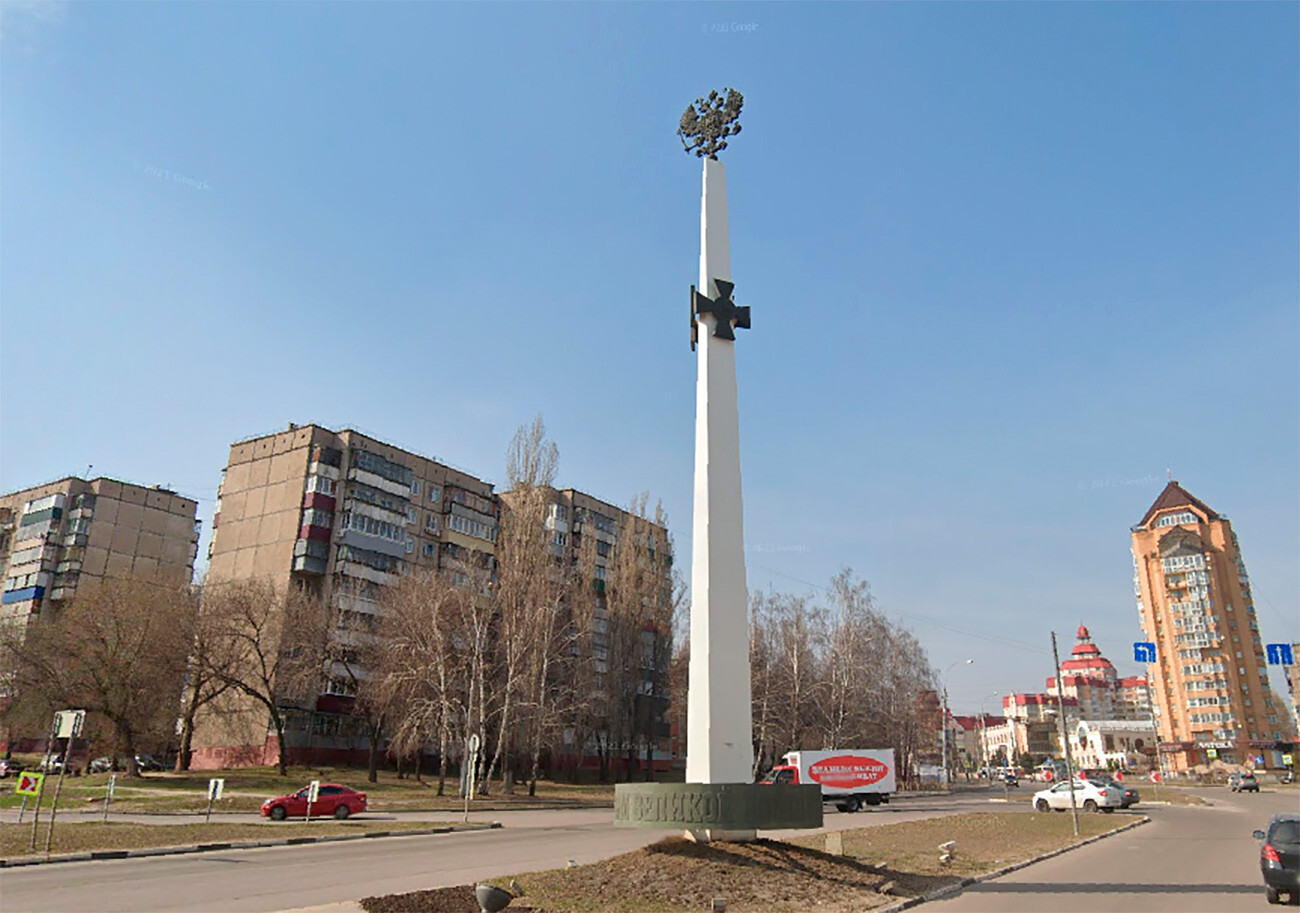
[(849, 777)]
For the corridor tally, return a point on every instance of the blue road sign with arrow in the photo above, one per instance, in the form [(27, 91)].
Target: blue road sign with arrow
[(1144, 652), (1280, 655)]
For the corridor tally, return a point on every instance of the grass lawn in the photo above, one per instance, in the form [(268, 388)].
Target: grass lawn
[(247, 788), (82, 837), (878, 866)]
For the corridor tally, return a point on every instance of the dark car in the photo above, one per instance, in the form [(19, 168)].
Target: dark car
[(8, 767), (1279, 858), (332, 799), (148, 762), (1244, 782), (1130, 794)]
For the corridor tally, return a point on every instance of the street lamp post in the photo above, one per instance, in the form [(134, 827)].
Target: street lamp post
[(943, 680), (1065, 737), (984, 750)]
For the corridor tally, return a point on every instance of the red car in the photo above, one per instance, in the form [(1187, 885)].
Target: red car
[(332, 799)]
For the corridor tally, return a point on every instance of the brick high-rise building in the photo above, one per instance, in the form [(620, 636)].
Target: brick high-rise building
[(62, 535), (1209, 681)]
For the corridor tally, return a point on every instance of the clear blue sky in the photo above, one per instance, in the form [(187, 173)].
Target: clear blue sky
[(1007, 263)]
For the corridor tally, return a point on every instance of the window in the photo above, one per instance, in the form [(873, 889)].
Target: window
[(363, 492), (431, 524), (313, 516), (435, 493), (373, 462), (372, 527), (471, 527), (415, 488), (343, 686), (430, 549), (323, 724), (1177, 519), (321, 485)]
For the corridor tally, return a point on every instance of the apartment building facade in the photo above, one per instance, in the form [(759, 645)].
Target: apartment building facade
[(577, 519), (66, 534), (1209, 681), (343, 515), (340, 515)]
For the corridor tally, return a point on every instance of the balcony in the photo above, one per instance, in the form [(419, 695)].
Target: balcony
[(307, 564), (356, 474)]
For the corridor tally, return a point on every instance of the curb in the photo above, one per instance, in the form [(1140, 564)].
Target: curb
[(383, 811), (950, 890), (236, 845)]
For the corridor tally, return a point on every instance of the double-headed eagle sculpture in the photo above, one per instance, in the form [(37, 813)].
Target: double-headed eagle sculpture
[(708, 122)]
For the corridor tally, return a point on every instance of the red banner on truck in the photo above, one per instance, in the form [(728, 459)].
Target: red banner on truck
[(847, 771)]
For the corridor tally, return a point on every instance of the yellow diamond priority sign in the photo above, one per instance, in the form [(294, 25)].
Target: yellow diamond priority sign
[(29, 784)]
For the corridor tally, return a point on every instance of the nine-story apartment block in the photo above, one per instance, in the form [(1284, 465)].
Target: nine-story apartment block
[(58, 537), (340, 515)]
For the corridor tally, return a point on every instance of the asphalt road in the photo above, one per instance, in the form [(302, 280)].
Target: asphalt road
[(1188, 859), (282, 878)]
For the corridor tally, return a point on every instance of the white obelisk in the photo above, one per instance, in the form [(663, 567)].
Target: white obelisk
[(719, 747)]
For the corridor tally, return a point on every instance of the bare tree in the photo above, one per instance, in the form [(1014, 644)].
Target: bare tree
[(118, 650), (834, 676), (202, 684), (269, 647), (640, 614), (419, 676), (529, 584)]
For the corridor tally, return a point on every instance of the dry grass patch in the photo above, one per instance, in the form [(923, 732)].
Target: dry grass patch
[(771, 876), (984, 841), (247, 788), (84, 837)]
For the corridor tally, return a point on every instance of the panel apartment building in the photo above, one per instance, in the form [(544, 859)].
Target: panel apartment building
[(57, 537), (575, 515), (343, 515), (1209, 681)]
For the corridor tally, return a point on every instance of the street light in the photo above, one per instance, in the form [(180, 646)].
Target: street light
[(943, 680), (984, 751)]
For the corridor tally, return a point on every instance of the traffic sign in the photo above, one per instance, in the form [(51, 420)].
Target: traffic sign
[(218, 784), (1144, 652), (1286, 760), (68, 723), (313, 791), (1280, 655), (29, 784)]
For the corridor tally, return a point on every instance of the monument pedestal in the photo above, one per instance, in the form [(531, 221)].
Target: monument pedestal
[(717, 811)]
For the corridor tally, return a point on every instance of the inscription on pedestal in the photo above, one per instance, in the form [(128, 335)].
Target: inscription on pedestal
[(717, 806)]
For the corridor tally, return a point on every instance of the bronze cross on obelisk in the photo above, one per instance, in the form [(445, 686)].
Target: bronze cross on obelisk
[(723, 309)]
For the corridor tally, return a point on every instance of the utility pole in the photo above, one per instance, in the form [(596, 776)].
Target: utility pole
[(943, 680), (1065, 738)]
